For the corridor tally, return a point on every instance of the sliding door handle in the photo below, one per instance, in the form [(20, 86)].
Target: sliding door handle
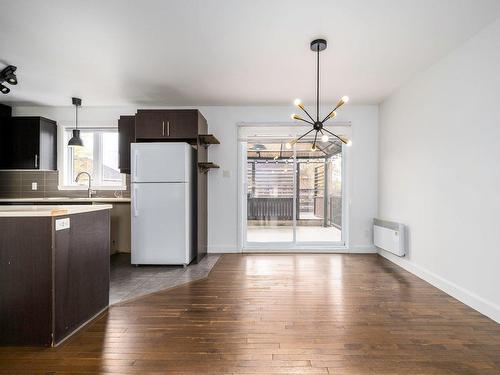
[(168, 128), (163, 128), (36, 160)]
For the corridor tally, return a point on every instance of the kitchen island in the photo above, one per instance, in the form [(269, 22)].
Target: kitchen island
[(120, 214), (54, 271)]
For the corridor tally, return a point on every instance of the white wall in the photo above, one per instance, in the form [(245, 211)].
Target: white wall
[(439, 173), (223, 192)]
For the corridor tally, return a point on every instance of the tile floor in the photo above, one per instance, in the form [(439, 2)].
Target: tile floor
[(128, 282)]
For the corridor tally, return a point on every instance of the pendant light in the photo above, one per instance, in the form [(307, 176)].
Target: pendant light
[(76, 141), (317, 46)]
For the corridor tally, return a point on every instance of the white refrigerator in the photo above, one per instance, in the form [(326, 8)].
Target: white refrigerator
[(163, 198)]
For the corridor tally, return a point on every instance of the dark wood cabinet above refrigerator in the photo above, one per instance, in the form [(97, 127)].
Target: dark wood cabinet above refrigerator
[(172, 124), (28, 143)]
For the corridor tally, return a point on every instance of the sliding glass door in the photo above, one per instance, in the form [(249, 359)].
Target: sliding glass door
[(294, 197), (270, 195)]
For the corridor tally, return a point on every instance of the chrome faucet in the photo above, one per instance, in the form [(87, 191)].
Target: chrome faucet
[(90, 182)]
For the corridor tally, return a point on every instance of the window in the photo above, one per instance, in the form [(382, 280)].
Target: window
[(98, 157)]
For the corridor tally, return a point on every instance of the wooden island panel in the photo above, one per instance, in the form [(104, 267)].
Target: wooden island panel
[(26, 281), (81, 271), (52, 281)]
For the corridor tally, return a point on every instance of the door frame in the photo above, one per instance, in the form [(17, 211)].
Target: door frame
[(280, 247)]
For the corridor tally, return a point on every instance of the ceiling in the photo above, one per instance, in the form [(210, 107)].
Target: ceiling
[(226, 52)]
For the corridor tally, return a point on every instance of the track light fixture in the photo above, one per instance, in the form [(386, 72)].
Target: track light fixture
[(7, 75), (4, 89), (317, 46)]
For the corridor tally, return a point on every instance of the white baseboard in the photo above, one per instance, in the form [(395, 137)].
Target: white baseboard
[(463, 295), (363, 249), (224, 249)]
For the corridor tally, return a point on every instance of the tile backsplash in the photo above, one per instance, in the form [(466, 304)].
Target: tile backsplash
[(17, 184)]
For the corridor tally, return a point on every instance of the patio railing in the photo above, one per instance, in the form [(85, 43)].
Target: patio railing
[(281, 209), (270, 208)]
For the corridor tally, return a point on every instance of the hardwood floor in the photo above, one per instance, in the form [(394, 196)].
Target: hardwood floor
[(266, 314)]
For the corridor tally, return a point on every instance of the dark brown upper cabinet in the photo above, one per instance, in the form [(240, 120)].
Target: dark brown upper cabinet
[(5, 111), (126, 135), (176, 124), (28, 143)]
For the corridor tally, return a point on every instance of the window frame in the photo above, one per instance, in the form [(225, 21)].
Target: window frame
[(65, 155)]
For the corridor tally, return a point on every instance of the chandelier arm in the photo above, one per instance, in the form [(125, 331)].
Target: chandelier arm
[(328, 115), (301, 119), (315, 137), (303, 135), (335, 135), (307, 113)]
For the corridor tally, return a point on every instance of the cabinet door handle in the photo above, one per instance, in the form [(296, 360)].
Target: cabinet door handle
[(163, 128), (168, 128), (36, 160)]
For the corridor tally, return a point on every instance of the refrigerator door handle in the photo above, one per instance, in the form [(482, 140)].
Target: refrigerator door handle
[(134, 202), (136, 159)]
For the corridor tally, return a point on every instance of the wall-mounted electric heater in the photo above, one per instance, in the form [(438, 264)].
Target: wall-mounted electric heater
[(389, 236)]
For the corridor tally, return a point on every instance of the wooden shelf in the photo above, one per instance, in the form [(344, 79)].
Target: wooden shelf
[(206, 166), (208, 139)]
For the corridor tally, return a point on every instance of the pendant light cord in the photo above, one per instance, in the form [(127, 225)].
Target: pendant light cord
[(76, 116)]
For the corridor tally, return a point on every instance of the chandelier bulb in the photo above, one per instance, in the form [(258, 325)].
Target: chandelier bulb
[(288, 145), (333, 114), (324, 138), (298, 103), (346, 141), (342, 101)]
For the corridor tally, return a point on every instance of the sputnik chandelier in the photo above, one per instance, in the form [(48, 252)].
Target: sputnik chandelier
[(317, 46)]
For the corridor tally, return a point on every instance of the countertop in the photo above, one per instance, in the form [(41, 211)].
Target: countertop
[(49, 210), (64, 199)]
